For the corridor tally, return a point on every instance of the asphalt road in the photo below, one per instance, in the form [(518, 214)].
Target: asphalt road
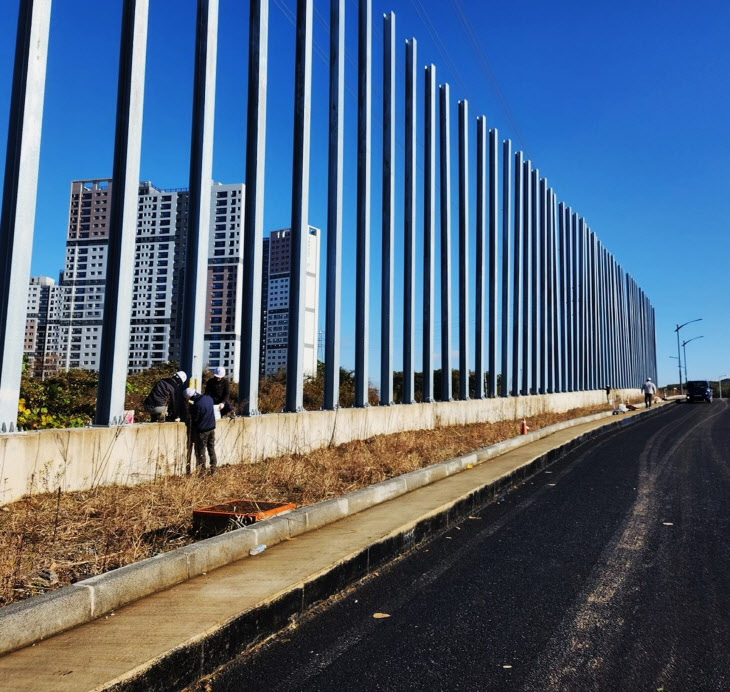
[(608, 571)]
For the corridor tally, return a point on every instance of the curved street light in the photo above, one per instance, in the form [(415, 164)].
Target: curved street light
[(678, 327), (684, 351)]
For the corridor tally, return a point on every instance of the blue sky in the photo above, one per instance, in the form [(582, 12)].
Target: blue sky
[(624, 107)]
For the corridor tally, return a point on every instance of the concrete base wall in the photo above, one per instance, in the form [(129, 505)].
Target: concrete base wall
[(83, 458)]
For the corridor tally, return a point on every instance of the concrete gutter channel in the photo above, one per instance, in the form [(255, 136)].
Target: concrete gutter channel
[(29, 622)]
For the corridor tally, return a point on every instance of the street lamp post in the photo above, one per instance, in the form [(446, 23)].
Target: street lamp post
[(679, 326), (684, 351)]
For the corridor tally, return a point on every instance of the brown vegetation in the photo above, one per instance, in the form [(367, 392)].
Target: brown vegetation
[(51, 539)]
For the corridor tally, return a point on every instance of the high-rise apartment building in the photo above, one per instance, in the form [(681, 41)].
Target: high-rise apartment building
[(225, 268), (275, 301), (65, 319), (158, 272), (75, 320), (42, 296)]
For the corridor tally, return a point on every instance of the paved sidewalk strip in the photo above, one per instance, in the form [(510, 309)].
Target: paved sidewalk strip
[(171, 638)]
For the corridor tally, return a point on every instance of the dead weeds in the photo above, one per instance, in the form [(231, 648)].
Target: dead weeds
[(52, 539)]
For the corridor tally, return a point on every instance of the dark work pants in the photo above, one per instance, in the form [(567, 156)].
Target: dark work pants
[(202, 441), (647, 399)]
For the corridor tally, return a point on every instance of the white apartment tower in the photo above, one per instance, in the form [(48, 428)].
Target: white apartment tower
[(42, 297), (75, 320), (275, 301), (225, 269)]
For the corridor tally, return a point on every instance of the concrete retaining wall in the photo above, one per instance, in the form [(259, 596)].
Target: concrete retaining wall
[(79, 459)]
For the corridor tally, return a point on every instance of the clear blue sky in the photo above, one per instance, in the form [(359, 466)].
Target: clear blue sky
[(624, 107)]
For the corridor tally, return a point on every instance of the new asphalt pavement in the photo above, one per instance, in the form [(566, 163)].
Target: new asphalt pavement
[(610, 570)]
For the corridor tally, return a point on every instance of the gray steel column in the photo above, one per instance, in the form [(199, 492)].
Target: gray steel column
[(577, 282), (542, 287), (445, 170), (201, 179), (409, 231), (581, 306), (595, 356), (536, 337), (481, 258), (563, 274), (526, 273), (517, 275), (493, 258), (364, 134), (253, 212), (550, 302), (612, 323), (557, 306), (463, 250), (590, 313), (573, 261), (388, 226), (114, 354), (506, 222), (300, 208), (20, 185), (334, 206), (600, 317), (429, 228)]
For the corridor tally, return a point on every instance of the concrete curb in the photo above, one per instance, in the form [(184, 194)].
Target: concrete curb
[(27, 622)]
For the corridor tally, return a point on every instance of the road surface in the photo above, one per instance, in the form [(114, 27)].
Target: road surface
[(608, 571)]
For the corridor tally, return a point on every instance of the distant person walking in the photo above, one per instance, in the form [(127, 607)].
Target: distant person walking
[(649, 389), (218, 389), (163, 401), (608, 393), (202, 428)]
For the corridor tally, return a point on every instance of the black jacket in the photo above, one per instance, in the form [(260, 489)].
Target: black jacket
[(202, 417), (217, 389), (165, 393)]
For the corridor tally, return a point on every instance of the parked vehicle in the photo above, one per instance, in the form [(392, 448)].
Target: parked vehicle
[(699, 390)]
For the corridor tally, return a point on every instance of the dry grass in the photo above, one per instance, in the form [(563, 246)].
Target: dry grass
[(48, 540)]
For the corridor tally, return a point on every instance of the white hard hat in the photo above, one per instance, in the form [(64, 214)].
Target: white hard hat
[(182, 375), (190, 392), (219, 372)]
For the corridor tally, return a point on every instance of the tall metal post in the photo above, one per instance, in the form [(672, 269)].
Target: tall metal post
[(526, 274), (463, 250), (575, 281), (582, 357), (590, 313), (388, 225), (550, 302), (506, 222), (481, 257), (517, 275), (429, 228), (300, 208), (20, 186), (409, 231), (114, 355), (542, 287), (595, 353), (253, 213), (334, 206), (493, 259), (445, 170), (563, 274), (201, 179), (536, 337), (364, 134)]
